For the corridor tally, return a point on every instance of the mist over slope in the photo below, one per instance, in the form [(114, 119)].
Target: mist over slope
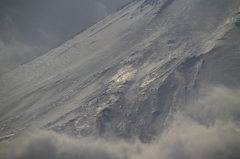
[(165, 72), (30, 28)]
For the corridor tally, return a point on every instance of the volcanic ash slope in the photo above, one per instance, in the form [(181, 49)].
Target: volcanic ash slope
[(128, 74)]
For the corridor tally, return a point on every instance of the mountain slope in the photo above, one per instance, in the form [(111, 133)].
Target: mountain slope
[(128, 74)]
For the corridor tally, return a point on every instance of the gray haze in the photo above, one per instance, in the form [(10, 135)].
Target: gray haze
[(29, 28)]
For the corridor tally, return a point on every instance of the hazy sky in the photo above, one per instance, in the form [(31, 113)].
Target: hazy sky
[(28, 28)]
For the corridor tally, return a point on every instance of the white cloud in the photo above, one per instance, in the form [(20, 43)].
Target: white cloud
[(185, 138), (101, 10)]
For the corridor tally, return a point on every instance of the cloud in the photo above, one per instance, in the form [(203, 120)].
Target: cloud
[(207, 128), (185, 138), (30, 28), (16, 53), (101, 10), (219, 103), (14, 49), (49, 145)]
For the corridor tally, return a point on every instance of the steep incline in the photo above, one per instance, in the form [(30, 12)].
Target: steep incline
[(127, 74)]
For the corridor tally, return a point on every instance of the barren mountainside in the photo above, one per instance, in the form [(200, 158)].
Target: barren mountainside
[(127, 75)]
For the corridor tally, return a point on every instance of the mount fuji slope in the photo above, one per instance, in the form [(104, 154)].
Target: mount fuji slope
[(127, 75)]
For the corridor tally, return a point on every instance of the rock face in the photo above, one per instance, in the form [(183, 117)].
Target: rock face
[(128, 74)]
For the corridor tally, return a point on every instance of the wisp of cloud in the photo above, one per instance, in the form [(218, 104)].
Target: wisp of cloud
[(206, 129)]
